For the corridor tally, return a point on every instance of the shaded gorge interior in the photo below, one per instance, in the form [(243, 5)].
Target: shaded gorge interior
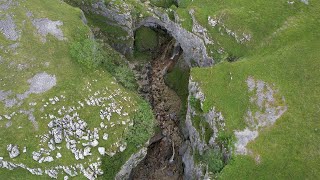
[(163, 80)]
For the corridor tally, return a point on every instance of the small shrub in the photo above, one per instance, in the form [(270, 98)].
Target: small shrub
[(143, 125), (195, 103), (87, 52), (125, 76), (214, 160)]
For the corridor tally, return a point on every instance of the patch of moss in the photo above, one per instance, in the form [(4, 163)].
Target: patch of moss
[(178, 80), (195, 104), (146, 39)]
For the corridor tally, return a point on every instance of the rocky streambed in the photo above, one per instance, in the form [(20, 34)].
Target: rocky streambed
[(163, 160)]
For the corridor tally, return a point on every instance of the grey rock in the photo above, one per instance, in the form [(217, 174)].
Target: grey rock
[(305, 1), (52, 173), (9, 29), (45, 26), (13, 150), (48, 159), (193, 47), (36, 156), (94, 143), (87, 151), (24, 149), (57, 135), (51, 144), (102, 150), (243, 138), (7, 4), (42, 82), (105, 136)]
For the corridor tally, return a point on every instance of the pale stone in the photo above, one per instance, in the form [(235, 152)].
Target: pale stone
[(102, 150)]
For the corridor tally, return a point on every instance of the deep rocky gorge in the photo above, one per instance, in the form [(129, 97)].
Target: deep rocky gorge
[(170, 153), (159, 89)]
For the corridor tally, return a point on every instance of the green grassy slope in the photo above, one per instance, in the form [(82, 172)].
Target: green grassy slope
[(284, 51), (74, 83)]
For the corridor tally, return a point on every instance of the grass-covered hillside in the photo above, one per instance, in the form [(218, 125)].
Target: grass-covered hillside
[(271, 91), (61, 112)]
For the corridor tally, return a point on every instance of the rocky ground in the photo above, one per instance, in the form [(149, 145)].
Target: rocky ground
[(163, 160)]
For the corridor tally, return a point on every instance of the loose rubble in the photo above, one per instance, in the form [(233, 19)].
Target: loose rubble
[(67, 127)]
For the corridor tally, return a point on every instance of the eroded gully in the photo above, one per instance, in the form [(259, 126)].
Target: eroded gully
[(163, 160)]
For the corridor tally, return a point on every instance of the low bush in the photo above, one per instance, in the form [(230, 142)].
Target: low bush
[(143, 125), (87, 52)]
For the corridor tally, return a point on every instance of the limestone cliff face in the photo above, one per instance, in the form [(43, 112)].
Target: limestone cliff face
[(202, 130), (195, 53)]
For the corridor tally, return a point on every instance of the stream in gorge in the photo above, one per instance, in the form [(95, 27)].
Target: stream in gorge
[(163, 160)]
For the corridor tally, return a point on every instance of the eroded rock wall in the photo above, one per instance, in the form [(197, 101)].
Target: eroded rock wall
[(202, 136)]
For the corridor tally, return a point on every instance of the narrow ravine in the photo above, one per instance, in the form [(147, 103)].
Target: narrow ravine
[(163, 160)]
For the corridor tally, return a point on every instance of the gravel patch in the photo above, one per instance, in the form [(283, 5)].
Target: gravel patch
[(45, 26), (9, 29)]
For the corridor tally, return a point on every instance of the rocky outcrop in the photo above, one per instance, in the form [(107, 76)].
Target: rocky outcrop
[(202, 130), (194, 49), (120, 15)]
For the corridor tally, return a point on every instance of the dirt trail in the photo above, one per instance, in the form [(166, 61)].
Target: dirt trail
[(163, 160)]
